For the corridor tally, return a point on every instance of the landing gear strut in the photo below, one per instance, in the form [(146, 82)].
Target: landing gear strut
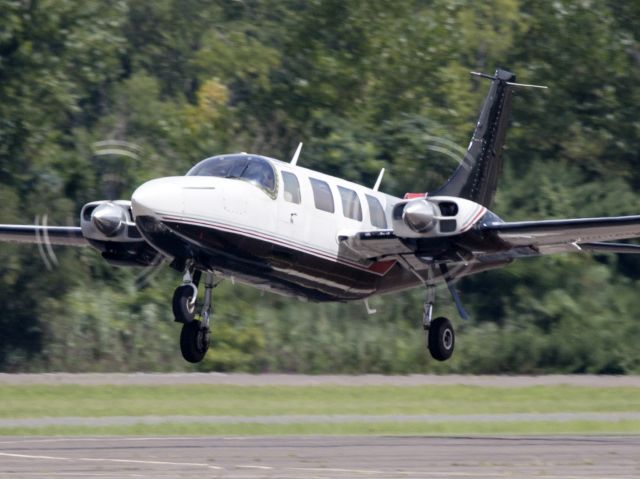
[(195, 334)]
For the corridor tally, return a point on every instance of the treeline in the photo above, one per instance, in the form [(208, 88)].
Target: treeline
[(99, 96)]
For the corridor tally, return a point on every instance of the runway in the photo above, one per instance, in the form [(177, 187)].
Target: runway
[(569, 457), (321, 419)]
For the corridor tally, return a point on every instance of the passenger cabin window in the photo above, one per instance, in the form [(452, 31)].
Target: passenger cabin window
[(291, 187), (351, 207), (253, 169), (322, 195), (378, 218)]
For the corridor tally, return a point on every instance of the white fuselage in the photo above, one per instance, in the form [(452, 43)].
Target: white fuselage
[(239, 206), (293, 227)]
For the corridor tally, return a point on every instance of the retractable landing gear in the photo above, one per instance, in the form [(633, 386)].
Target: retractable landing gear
[(440, 335), (441, 338), (195, 336)]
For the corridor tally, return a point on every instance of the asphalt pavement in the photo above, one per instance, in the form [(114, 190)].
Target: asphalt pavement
[(322, 457)]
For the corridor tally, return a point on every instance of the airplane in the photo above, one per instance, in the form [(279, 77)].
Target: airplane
[(280, 227)]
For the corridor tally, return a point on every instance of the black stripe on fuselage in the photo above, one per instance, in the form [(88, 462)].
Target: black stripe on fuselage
[(262, 263), (288, 269)]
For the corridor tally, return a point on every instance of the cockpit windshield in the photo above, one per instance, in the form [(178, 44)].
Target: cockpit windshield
[(254, 169)]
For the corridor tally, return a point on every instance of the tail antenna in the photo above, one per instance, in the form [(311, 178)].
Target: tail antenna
[(492, 77)]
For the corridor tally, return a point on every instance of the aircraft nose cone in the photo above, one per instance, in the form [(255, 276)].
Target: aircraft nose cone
[(108, 218), (157, 197)]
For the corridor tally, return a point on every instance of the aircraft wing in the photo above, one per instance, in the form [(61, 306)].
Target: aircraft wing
[(580, 230), (579, 234), (55, 235), (516, 239), (610, 248)]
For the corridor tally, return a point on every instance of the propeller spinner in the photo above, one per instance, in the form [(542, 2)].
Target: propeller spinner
[(108, 218)]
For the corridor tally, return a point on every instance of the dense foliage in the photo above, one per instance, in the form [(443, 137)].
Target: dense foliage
[(365, 85)]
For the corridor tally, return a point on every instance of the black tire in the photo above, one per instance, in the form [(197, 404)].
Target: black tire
[(442, 339), (183, 305), (194, 341)]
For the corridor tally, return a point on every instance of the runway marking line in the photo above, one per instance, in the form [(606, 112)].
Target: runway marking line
[(209, 466), (102, 459), (25, 456)]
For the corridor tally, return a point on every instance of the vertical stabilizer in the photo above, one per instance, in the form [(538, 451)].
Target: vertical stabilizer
[(476, 178)]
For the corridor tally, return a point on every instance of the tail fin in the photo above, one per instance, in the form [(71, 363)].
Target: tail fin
[(476, 178)]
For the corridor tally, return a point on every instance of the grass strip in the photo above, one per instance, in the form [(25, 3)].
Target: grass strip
[(33, 401)]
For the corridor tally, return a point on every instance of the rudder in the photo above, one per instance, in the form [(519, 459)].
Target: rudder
[(476, 178)]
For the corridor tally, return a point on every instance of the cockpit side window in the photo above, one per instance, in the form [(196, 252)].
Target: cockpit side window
[(260, 173), (351, 207), (378, 218), (322, 196), (254, 169), (291, 187)]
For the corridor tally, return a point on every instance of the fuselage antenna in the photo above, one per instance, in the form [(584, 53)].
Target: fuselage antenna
[(294, 160), (379, 180)]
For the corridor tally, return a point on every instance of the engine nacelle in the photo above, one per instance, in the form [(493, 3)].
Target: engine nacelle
[(434, 217), (109, 228)]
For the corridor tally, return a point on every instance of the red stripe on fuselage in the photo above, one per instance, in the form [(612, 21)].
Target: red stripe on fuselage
[(382, 267), (478, 215)]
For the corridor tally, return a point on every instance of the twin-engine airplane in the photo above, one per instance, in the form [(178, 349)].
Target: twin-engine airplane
[(287, 229)]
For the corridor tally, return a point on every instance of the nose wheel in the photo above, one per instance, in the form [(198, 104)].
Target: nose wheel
[(195, 335), (184, 303)]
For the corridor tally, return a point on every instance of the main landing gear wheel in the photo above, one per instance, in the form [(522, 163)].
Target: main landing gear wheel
[(184, 303), (440, 336), (441, 339), (194, 341)]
